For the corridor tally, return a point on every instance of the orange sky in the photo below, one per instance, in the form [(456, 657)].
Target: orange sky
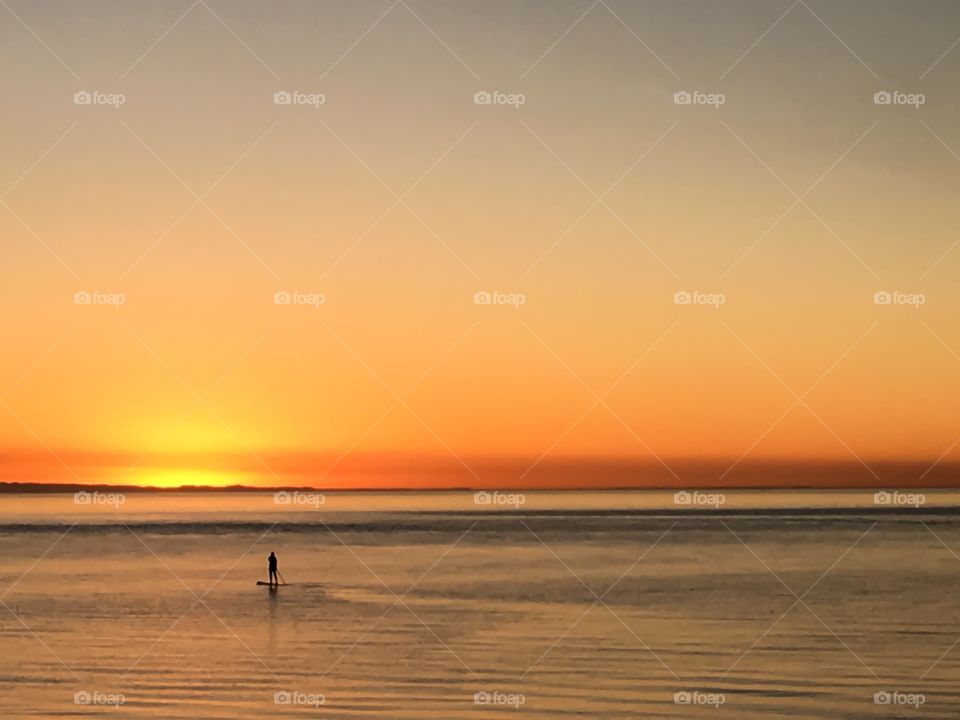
[(398, 199)]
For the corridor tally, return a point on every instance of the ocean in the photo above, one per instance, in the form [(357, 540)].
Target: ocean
[(451, 605)]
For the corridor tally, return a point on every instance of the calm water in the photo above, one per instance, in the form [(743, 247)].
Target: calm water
[(407, 606)]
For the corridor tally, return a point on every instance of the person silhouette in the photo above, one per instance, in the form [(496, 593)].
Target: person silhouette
[(272, 569)]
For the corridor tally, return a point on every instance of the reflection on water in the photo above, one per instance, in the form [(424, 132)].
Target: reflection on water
[(411, 614)]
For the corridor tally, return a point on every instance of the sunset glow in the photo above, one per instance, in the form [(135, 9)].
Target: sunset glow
[(209, 280), (479, 359)]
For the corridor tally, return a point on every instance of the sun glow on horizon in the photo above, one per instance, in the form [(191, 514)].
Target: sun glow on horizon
[(179, 477)]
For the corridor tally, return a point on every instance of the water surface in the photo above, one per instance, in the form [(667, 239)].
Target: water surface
[(603, 605)]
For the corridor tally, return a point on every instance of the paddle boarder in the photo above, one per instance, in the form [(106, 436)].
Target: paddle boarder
[(272, 569)]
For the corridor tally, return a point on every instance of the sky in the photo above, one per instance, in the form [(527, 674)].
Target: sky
[(293, 243)]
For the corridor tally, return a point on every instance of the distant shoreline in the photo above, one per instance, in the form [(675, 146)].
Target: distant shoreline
[(70, 488), (13, 488), (556, 475)]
